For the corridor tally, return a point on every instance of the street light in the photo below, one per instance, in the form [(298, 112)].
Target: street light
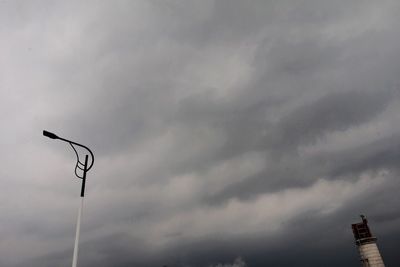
[(84, 168)]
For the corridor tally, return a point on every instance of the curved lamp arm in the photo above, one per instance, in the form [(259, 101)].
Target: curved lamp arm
[(77, 166), (85, 147)]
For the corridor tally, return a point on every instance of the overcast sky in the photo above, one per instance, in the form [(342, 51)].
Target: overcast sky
[(226, 133)]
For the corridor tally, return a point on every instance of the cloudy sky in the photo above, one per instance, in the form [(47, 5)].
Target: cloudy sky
[(226, 133)]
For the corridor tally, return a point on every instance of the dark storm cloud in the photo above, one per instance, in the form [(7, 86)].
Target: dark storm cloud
[(336, 112), (222, 130), (304, 126)]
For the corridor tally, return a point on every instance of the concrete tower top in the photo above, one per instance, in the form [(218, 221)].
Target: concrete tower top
[(362, 233), (366, 244)]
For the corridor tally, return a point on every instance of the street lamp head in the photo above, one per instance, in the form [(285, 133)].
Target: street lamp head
[(50, 135)]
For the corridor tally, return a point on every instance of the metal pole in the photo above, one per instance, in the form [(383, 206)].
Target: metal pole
[(85, 169), (78, 228), (84, 177), (78, 223)]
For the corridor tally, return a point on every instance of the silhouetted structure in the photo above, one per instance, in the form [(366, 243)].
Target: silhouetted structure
[(366, 244), (81, 168)]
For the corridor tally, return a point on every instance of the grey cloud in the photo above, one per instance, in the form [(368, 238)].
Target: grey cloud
[(304, 126), (205, 117), (237, 263), (336, 112)]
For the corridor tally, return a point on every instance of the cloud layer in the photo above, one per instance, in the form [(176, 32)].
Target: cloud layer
[(220, 128)]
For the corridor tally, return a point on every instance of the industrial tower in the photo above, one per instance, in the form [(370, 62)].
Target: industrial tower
[(366, 244)]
